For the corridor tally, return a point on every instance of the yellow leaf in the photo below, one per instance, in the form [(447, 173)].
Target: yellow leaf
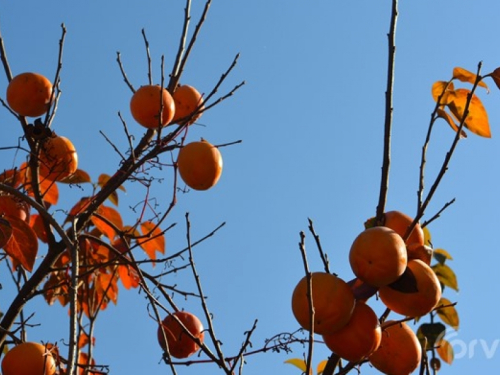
[(321, 367), (448, 314), (444, 115), (427, 237), (465, 76), (477, 118), (445, 351), (444, 89), (446, 276), (297, 362), (441, 255)]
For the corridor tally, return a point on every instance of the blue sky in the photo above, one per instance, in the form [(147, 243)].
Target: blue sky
[(310, 117)]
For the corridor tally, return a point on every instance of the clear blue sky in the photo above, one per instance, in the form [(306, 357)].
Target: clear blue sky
[(310, 117)]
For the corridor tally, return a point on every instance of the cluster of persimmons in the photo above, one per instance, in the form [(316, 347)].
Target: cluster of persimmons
[(388, 260), (152, 106)]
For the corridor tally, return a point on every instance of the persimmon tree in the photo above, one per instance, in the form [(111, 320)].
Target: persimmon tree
[(91, 251), (80, 258), (458, 104)]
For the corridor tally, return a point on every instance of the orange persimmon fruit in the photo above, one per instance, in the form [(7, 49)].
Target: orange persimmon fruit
[(400, 222), (58, 158), (180, 344), (359, 338), (29, 94), (399, 352), (332, 299), (146, 104), (28, 358), (188, 104), (378, 256), (416, 303), (200, 165)]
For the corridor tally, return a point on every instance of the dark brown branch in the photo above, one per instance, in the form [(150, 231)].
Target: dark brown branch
[(122, 70), (384, 183)]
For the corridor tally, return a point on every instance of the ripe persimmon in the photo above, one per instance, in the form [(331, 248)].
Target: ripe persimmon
[(58, 158), (400, 222), (378, 256), (146, 103), (29, 94), (422, 252), (11, 206), (200, 165), (28, 358), (188, 104), (416, 303), (332, 300), (180, 344), (359, 338), (399, 352)]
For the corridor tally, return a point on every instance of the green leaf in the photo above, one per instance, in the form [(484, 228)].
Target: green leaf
[(448, 314), (446, 276)]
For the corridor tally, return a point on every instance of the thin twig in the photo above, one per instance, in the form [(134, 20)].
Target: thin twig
[(5, 61), (310, 346), (384, 183), (55, 98), (208, 315), (148, 57), (322, 254), (174, 76), (449, 154), (122, 70)]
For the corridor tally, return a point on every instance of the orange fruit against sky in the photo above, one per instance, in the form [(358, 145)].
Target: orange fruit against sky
[(29, 94), (417, 303), (378, 256), (399, 352), (146, 104), (332, 299), (29, 358), (58, 158), (400, 222), (359, 338), (200, 165), (180, 344), (187, 100)]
